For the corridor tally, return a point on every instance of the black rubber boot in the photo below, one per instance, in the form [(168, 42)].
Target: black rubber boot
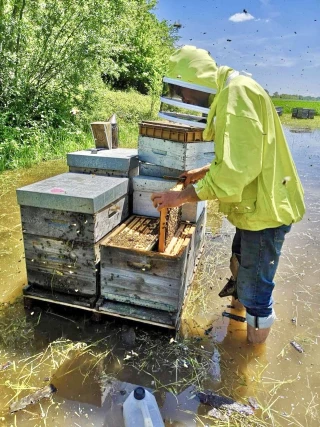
[(230, 289)]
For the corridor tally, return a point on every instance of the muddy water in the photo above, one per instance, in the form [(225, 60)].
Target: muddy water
[(95, 366)]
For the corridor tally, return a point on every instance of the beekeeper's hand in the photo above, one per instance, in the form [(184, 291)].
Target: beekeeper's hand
[(173, 199), (194, 175), (166, 199)]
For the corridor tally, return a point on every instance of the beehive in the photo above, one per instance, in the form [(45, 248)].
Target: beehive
[(170, 131), (122, 162), (144, 186), (176, 155), (138, 281), (63, 219)]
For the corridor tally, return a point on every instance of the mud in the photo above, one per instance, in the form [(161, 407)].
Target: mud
[(86, 361)]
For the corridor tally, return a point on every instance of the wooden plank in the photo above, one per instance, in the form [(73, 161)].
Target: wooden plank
[(65, 252), (115, 309), (63, 284), (169, 248), (142, 299), (57, 224), (162, 230), (105, 172), (59, 298), (139, 279), (74, 226), (169, 222), (133, 282), (183, 239), (142, 314), (70, 267), (153, 263)]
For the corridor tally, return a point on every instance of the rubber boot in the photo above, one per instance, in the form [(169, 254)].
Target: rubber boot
[(257, 336)]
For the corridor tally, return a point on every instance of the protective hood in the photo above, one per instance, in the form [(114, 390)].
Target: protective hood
[(192, 65)]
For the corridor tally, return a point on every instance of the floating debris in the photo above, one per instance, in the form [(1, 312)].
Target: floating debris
[(128, 336), (33, 398), (234, 317), (5, 366), (207, 331), (221, 402), (215, 413), (253, 403), (215, 370), (297, 346)]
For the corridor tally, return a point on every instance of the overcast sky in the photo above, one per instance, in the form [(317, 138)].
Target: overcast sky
[(277, 41)]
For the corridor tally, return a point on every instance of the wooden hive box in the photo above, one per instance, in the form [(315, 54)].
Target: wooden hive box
[(144, 186), (121, 162), (175, 155), (170, 131), (139, 282), (63, 219)]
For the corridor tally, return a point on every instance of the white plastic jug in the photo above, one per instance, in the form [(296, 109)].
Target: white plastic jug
[(141, 410)]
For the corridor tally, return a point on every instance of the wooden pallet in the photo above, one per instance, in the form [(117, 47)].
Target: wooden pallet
[(143, 272), (101, 307)]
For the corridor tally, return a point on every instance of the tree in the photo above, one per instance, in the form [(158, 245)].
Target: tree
[(51, 52)]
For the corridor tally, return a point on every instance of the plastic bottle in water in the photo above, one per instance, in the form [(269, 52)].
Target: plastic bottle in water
[(141, 410)]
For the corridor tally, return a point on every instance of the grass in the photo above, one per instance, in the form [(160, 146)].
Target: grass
[(307, 124), (24, 147)]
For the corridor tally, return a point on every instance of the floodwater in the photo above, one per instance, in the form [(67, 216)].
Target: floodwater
[(95, 366)]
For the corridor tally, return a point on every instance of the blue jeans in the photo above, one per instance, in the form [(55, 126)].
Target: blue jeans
[(258, 253)]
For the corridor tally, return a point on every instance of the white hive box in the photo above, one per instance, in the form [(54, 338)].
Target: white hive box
[(121, 162), (181, 156), (144, 186), (63, 219)]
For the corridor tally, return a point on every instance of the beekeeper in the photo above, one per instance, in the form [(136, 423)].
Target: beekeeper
[(253, 175)]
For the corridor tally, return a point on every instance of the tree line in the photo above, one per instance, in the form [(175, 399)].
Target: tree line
[(295, 97), (55, 53)]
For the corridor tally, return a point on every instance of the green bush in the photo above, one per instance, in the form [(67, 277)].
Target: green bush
[(22, 147)]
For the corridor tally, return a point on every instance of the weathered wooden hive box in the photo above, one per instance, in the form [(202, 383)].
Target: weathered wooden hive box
[(144, 186), (121, 162), (139, 282), (63, 220), (159, 155)]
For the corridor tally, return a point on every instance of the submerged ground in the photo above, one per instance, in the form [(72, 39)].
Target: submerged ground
[(94, 366)]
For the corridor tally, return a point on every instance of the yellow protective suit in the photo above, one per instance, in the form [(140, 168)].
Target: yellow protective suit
[(253, 175)]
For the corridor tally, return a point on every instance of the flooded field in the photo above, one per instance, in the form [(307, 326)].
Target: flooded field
[(94, 366)]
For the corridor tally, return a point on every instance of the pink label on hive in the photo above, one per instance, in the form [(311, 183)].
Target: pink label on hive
[(57, 190)]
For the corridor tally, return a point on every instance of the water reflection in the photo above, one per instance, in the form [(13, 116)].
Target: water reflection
[(94, 377)]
